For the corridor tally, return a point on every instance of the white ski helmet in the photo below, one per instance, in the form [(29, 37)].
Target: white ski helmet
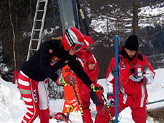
[(71, 38)]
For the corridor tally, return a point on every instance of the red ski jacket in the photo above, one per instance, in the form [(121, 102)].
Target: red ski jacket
[(86, 58), (131, 93)]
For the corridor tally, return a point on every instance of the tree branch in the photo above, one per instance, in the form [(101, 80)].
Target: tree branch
[(13, 31)]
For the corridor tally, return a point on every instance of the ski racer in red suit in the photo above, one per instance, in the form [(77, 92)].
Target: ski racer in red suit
[(90, 66), (135, 72), (41, 65)]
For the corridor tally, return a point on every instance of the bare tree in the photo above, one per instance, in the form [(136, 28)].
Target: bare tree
[(13, 31), (135, 17)]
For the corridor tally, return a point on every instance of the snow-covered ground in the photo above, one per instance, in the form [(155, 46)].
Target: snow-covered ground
[(12, 108)]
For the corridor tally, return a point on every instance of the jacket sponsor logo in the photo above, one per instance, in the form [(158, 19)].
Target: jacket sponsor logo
[(54, 60), (25, 91), (35, 96), (67, 70), (123, 66), (50, 51), (84, 61), (137, 65), (66, 61)]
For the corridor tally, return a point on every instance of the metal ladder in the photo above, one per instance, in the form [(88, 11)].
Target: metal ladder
[(38, 25)]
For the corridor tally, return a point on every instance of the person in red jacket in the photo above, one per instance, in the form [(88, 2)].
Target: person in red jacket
[(48, 61), (90, 66), (135, 72)]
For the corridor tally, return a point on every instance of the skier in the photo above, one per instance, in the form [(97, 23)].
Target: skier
[(135, 72), (90, 66), (70, 103), (40, 66)]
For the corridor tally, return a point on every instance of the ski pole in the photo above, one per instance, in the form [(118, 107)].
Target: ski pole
[(116, 77), (81, 110), (71, 81), (106, 102), (83, 17)]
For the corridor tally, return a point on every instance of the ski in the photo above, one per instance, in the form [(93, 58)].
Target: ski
[(69, 110), (72, 83), (61, 117), (157, 101), (155, 109)]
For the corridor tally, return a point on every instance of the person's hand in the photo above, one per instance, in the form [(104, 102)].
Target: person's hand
[(111, 101), (136, 77), (91, 66), (70, 80), (94, 88)]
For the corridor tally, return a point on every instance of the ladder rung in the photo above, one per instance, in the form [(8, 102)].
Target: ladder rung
[(42, 0), (40, 10), (33, 49), (37, 30), (38, 20), (35, 39)]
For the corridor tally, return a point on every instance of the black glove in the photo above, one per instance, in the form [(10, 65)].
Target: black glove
[(94, 98), (93, 89)]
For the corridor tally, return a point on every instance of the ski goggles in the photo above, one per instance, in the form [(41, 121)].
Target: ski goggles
[(77, 47)]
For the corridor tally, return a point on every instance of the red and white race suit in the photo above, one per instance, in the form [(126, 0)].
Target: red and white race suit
[(34, 94), (131, 94)]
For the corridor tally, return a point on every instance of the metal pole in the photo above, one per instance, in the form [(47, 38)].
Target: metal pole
[(116, 78)]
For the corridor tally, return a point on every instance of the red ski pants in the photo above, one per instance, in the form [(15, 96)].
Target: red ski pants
[(34, 95), (85, 102), (138, 114)]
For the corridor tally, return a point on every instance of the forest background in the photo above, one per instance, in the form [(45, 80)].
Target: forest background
[(105, 19)]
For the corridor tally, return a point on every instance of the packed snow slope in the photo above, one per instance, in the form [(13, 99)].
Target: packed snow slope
[(12, 108)]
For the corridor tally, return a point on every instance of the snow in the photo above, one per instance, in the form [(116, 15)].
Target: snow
[(156, 89), (152, 11), (12, 108), (99, 24)]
